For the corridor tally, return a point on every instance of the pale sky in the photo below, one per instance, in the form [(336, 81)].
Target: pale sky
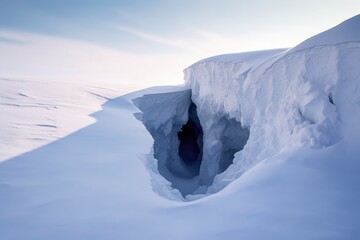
[(148, 42)]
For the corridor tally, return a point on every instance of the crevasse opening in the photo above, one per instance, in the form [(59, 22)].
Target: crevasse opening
[(184, 157), (191, 142)]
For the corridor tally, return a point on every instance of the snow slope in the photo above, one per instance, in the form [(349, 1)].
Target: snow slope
[(345, 32), (34, 113), (295, 176)]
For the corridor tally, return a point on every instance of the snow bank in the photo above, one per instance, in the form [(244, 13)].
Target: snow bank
[(264, 102)]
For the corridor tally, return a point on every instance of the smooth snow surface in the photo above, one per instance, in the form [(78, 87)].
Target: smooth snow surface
[(291, 119), (35, 113)]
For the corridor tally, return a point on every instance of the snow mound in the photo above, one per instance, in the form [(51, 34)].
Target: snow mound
[(347, 31), (263, 103)]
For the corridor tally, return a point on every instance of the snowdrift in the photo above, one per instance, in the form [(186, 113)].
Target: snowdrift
[(252, 106)]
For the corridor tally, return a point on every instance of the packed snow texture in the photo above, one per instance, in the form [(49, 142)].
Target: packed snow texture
[(290, 117)]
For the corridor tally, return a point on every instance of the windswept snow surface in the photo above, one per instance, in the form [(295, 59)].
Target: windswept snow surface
[(35, 113), (295, 177)]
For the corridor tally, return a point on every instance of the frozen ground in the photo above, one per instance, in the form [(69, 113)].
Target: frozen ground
[(295, 174)]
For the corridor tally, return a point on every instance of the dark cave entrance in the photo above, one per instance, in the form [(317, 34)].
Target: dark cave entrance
[(189, 150), (191, 142), (184, 158)]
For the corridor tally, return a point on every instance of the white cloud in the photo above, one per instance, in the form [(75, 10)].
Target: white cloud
[(155, 38), (53, 58), (60, 59), (202, 42)]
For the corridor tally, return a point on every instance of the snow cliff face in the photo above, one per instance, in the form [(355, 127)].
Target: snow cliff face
[(252, 106), (294, 100)]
